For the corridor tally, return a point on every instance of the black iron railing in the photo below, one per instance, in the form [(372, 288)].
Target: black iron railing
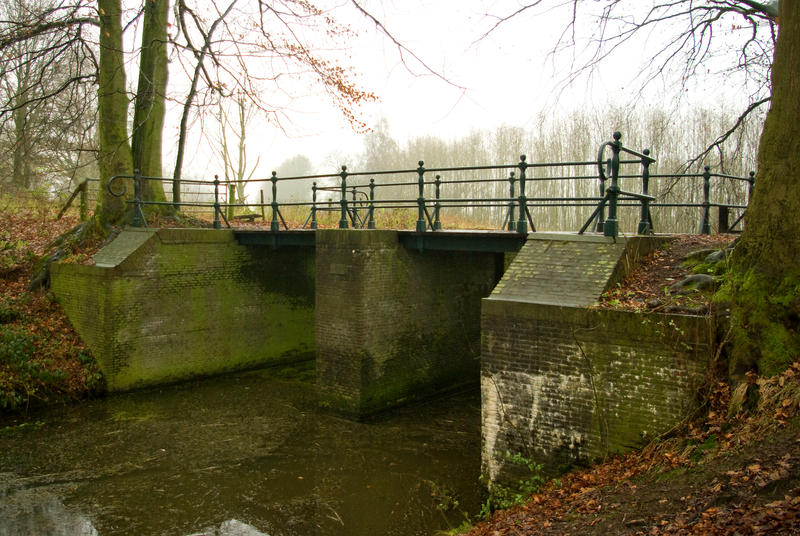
[(362, 194)]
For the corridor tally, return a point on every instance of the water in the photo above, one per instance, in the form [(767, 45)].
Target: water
[(244, 454)]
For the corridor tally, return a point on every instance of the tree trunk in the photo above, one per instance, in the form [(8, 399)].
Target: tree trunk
[(22, 168), (764, 285), (148, 118), (114, 156)]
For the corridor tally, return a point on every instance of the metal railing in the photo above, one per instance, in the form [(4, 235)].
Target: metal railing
[(359, 199)]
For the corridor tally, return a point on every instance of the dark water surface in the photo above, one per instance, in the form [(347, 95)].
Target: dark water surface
[(244, 454)]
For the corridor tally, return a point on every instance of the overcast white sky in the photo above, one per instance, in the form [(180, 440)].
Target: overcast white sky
[(508, 78)]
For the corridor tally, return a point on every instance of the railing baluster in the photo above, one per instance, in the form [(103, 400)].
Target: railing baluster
[(437, 222), (343, 201), (601, 216), (522, 222), (611, 226), (371, 217), (274, 224), (645, 225), (314, 205), (421, 225), (705, 223), (217, 224), (511, 223)]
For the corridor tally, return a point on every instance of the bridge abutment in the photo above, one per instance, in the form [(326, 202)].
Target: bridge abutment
[(566, 384), (165, 305), (394, 324)]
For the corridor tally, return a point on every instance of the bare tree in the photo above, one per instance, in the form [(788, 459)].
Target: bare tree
[(727, 41), (46, 106)]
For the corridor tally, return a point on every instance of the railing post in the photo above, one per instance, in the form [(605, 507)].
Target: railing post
[(644, 220), (522, 222), (601, 216), (354, 191), (217, 224), (421, 225), (751, 182), (274, 224), (371, 218), (314, 205), (611, 226), (437, 207), (137, 200), (343, 201), (84, 209), (511, 222), (705, 224)]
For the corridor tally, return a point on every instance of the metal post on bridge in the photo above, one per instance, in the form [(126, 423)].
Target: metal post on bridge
[(343, 201), (705, 223), (314, 205), (522, 222), (217, 224), (421, 225), (437, 222), (752, 182), (371, 217), (611, 226), (274, 225), (601, 216), (511, 223), (645, 223)]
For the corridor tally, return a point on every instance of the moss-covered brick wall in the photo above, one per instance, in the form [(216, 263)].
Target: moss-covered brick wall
[(394, 324), (171, 304), (568, 385)]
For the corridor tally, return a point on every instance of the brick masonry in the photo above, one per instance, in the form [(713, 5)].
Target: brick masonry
[(393, 324), (567, 385), (171, 304)]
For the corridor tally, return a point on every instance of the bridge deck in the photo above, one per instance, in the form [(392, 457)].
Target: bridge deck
[(472, 240)]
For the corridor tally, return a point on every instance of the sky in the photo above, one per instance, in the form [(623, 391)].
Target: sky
[(506, 78)]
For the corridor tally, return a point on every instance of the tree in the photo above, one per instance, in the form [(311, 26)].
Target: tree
[(46, 106), (764, 286)]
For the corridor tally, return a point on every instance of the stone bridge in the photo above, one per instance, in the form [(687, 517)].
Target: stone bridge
[(395, 316)]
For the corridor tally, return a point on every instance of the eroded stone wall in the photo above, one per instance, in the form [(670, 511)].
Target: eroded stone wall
[(171, 304)]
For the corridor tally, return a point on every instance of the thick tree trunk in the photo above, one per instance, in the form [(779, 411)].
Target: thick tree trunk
[(112, 104), (148, 118), (764, 287)]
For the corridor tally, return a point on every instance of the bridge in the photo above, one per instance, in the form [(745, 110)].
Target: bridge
[(391, 316)]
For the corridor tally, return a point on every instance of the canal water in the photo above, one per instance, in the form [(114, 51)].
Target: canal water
[(244, 454)]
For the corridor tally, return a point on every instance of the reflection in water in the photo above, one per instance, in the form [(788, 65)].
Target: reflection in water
[(34, 511), (242, 452)]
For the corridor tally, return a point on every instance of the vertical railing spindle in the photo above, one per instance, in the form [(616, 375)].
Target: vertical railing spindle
[(217, 224), (274, 224), (314, 205), (522, 222), (705, 223), (511, 223), (644, 221), (421, 225), (371, 217), (611, 227), (343, 200), (437, 222)]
